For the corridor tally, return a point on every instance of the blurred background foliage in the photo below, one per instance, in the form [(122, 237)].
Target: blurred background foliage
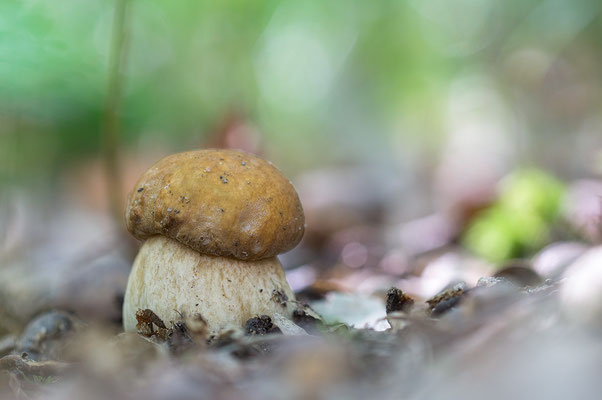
[(448, 96), (519, 221)]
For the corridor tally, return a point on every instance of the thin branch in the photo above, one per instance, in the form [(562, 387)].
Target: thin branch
[(111, 135), (38, 368)]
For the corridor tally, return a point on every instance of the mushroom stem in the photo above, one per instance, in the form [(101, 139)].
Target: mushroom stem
[(173, 281)]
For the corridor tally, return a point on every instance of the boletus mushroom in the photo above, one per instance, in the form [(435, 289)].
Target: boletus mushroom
[(213, 222)]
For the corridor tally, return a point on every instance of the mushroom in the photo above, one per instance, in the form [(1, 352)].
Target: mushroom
[(213, 222)]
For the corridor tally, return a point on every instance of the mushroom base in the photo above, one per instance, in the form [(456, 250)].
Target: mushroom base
[(173, 281)]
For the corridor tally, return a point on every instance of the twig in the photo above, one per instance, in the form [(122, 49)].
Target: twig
[(111, 126), (14, 362)]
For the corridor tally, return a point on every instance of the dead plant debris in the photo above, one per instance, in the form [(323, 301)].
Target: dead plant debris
[(447, 299), (261, 325), (306, 321), (398, 301), (150, 325), (279, 297), (13, 362), (297, 351)]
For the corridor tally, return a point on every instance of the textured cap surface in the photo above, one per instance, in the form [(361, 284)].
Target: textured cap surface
[(218, 202)]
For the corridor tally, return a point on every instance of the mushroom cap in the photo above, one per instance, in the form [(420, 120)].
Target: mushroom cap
[(218, 202)]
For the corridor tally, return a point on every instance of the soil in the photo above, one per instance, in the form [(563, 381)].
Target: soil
[(261, 325)]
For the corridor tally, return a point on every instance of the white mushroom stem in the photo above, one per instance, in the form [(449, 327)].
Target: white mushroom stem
[(172, 279)]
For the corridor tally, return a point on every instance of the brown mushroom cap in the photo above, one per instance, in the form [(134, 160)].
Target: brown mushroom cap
[(218, 202)]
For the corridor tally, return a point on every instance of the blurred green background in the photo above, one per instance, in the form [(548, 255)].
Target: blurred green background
[(323, 81), (449, 95)]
